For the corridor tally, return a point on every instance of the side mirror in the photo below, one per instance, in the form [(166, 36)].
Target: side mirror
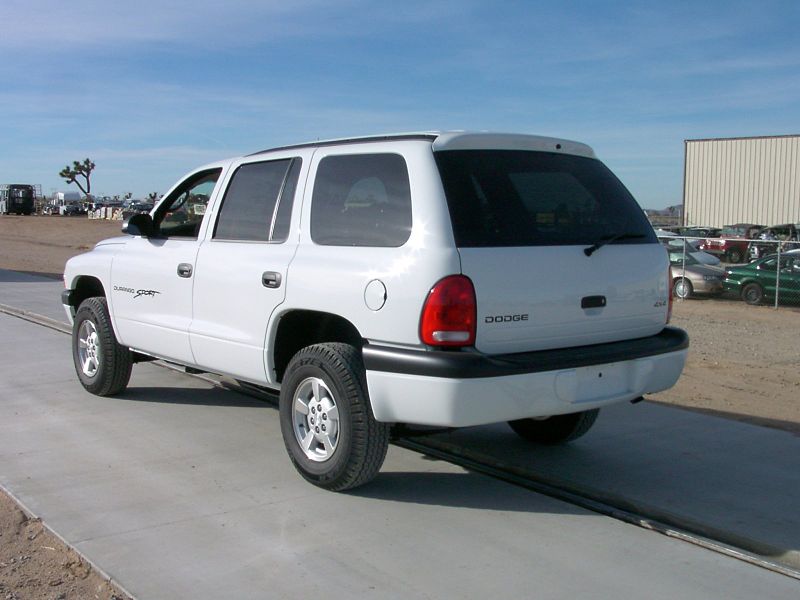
[(141, 224)]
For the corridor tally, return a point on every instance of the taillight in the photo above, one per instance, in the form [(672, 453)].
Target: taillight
[(669, 294), (449, 313)]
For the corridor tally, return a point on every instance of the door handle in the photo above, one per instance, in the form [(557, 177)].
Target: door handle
[(184, 270), (271, 279)]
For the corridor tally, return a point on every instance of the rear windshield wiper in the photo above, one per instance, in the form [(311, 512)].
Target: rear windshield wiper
[(610, 239)]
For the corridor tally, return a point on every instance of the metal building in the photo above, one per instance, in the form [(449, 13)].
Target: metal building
[(742, 180)]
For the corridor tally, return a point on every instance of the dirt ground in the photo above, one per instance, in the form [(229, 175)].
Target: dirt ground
[(36, 565), (744, 364), (42, 244)]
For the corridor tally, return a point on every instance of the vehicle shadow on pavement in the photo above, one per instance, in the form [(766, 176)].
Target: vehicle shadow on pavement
[(460, 490)]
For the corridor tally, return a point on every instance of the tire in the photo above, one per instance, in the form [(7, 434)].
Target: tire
[(682, 288), (326, 419), (555, 430), (103, 366), (753, 293), (735, 255)]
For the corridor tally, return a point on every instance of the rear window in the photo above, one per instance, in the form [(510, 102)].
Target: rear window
[(525, 198)]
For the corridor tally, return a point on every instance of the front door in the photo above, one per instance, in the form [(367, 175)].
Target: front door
[(152, 280)]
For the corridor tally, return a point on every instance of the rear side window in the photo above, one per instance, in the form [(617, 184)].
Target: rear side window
[(525, 198), (251, 204), (361, 200)]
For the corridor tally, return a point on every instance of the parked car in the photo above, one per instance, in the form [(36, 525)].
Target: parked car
[(690, 276), (731, 245), (136, 207), (786, 236), (72, 210), (756, 281)]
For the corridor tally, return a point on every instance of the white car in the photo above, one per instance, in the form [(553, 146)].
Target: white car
[(444, 279)]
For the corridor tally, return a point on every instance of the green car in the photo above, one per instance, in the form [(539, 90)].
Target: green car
[(756, 281)]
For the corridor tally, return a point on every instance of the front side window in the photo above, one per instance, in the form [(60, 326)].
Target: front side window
[(250, 202), (526, 198), (361, 200), (181, 214)]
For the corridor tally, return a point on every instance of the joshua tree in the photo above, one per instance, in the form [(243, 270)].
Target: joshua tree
[(82, 170)]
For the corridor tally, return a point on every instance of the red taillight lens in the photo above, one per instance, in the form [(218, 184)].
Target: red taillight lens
[(449, 314), (669, 294)]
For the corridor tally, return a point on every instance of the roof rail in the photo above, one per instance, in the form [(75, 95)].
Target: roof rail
[(353, 140)]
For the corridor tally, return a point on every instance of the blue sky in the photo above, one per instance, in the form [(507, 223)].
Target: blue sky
[(151, 89)]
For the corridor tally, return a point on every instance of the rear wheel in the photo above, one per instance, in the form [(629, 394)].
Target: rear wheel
[(328, 429), (753, 293), (555, 430), (682, 288), (103, 366)]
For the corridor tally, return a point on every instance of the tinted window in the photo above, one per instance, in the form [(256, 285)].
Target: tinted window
[(525, 198), (250, 200), (181, 214), (361, 200)]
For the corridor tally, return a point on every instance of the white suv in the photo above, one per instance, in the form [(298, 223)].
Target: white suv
[(444, 279)]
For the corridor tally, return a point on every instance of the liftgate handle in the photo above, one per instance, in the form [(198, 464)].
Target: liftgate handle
[(271, 279)]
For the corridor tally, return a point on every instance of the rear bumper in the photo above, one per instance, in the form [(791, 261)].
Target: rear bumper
[(457, 389)]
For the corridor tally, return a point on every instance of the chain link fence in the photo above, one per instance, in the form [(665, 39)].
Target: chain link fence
[(757, 271)]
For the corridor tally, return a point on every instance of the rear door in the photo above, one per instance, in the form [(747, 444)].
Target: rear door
[(242, 268), (559, 252)]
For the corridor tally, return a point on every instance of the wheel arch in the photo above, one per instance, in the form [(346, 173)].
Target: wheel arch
[(297, 329), (85, 286)]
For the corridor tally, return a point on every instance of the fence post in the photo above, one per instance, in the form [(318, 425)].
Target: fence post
[(778, 276), (683, 268)]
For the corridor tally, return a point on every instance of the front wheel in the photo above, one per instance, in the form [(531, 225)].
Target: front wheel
[(555, 430), (753, 293), (103, 366), (326, 419), (682, 288)]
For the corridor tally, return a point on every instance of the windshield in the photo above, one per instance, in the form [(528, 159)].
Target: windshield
[(732, 231), (526, 198)]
